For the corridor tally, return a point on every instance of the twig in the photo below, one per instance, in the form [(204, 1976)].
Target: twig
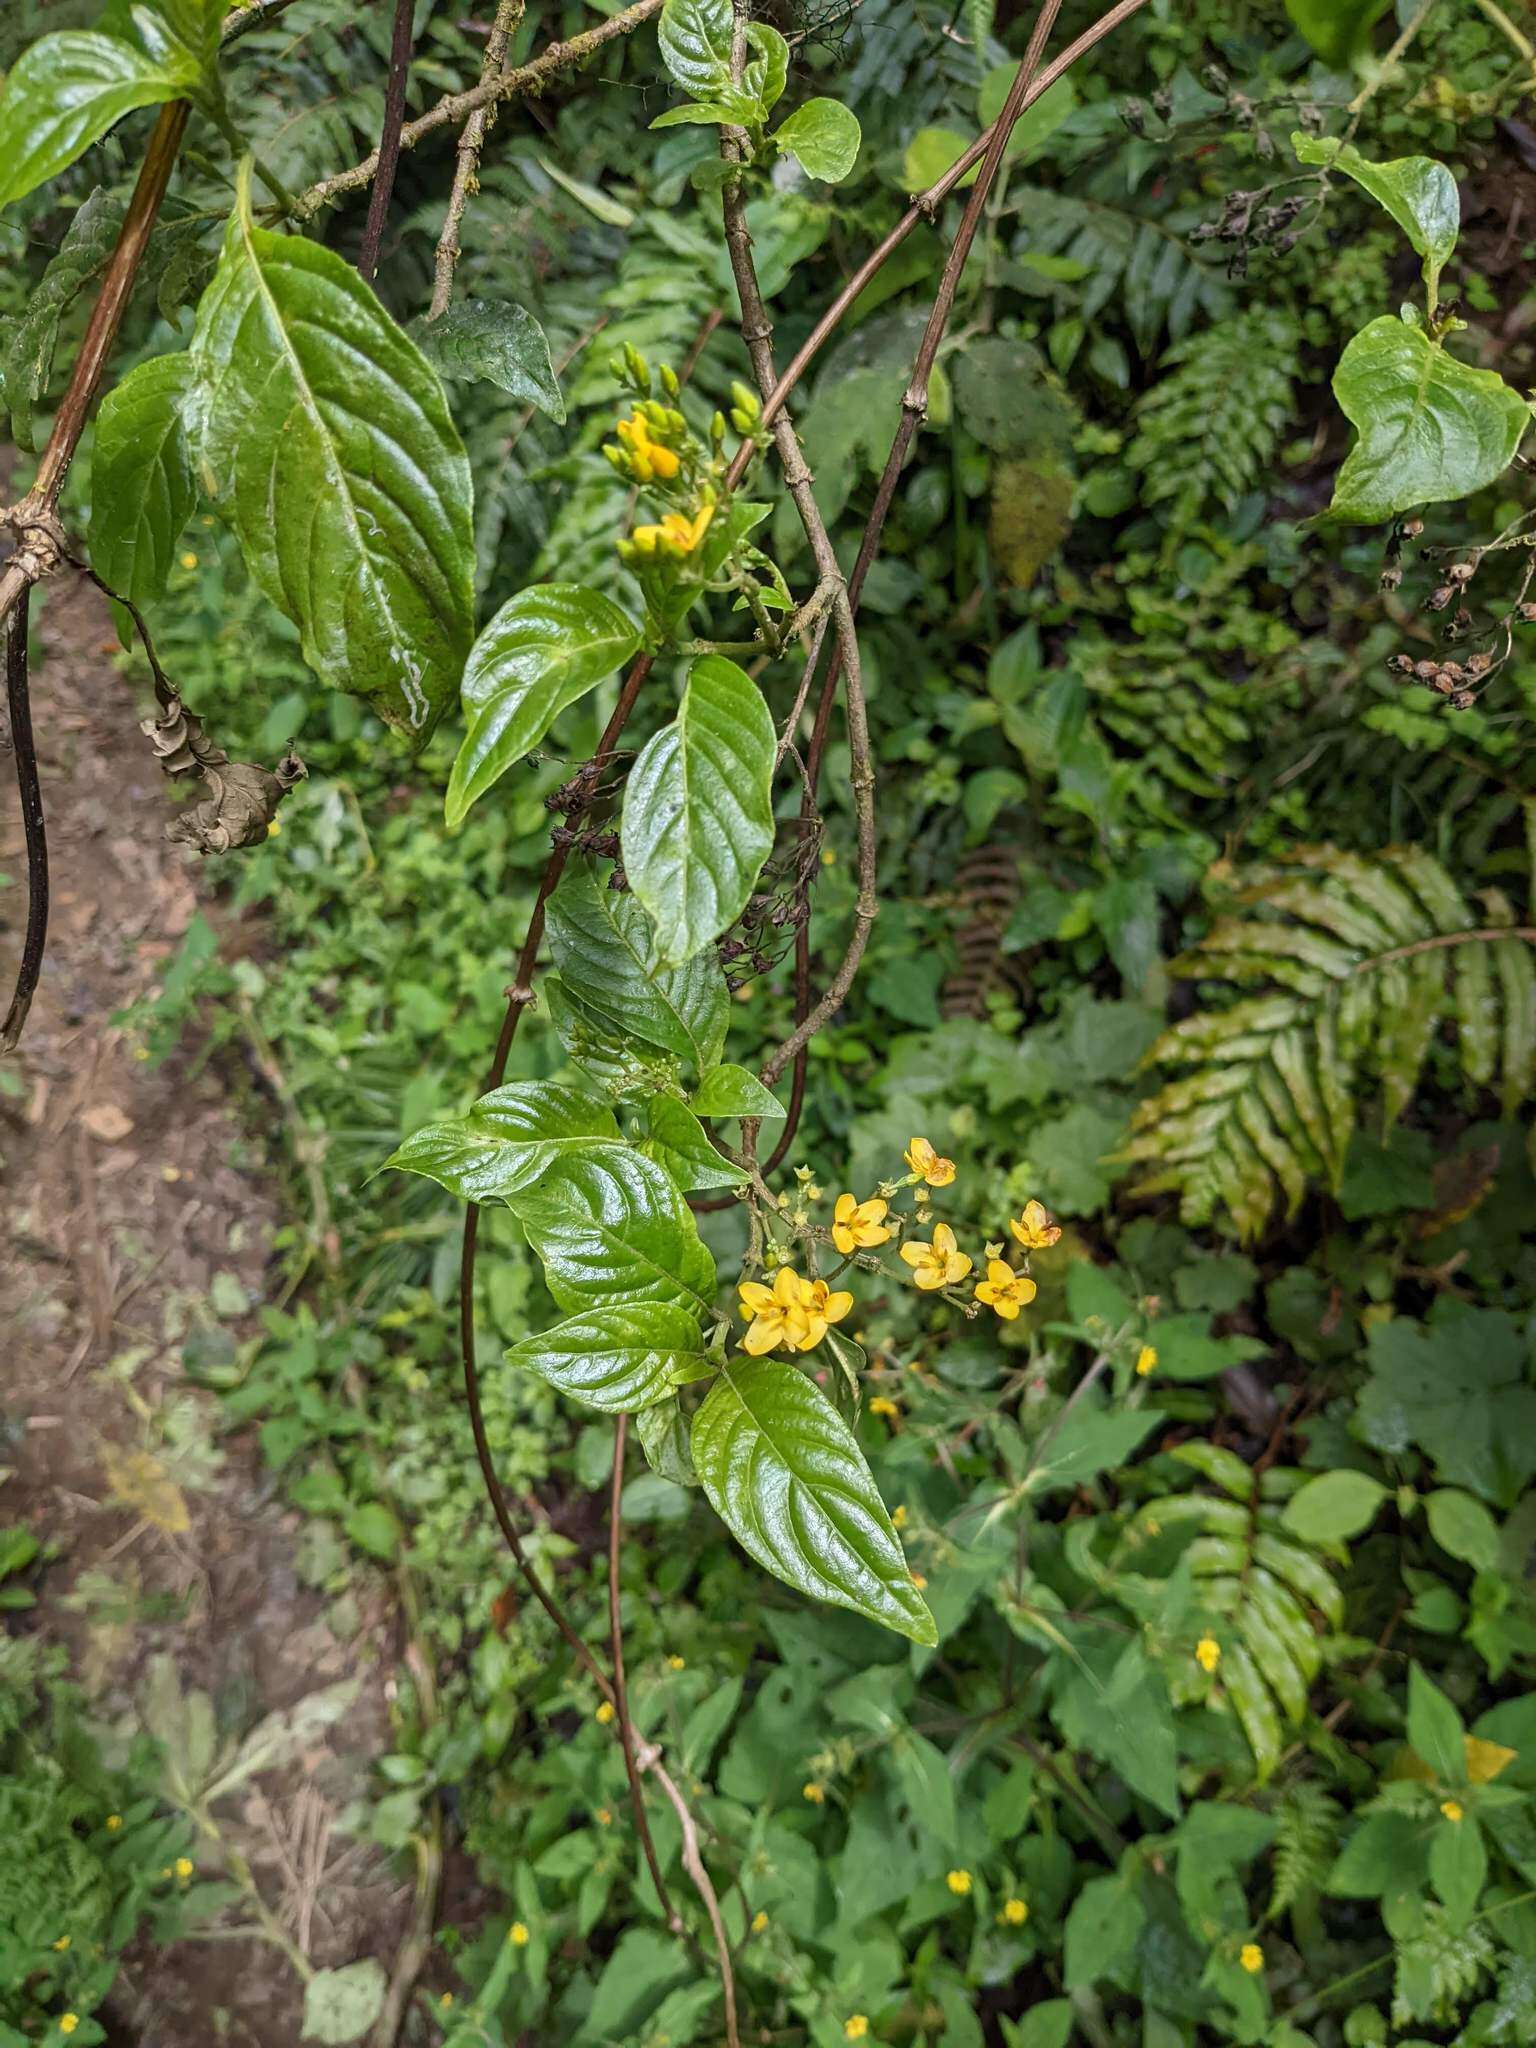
[(693, 1863), (389, 139), (30, 790), (509, 14), (673, 1918), (457, 107), (241, 20)]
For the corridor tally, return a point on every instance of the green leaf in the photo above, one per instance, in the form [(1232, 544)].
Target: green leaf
[(545, 648), (1430, 428), (619, 1358), (322, 433), (1339, 30), (823, 136), (1102, 1929), (373, 1528), (1039, 121), (66, 91), (783, 1471), (1091, 1440), (500, 345), (663, 1432), (1456, 1387), (732, 1091), (142, 489), (1435, 1731), (612, 1229), (1419, 193), (736, 109), (698, 809), (679, 1141), (29, 339), (1333, 1507), (1464, 1527), (508, 1140), (695, 39), (341, 2005), (602, 945), (1458, 1865), (767, 69)]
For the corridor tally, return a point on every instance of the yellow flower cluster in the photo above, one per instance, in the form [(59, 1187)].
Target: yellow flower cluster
[(791, 1312), (677, 535), (858, 1226), (642, 456)]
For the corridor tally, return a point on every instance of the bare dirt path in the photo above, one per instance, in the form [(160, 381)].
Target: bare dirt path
[(137, 1224)]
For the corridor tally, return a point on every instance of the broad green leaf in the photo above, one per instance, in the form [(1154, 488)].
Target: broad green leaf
[(1333, 1507), (930, 154), (612, 1230), (1038, 122), (322, 433), (1464, 1527), (29, 339), (698, 809), (695, 38), (823, 136), (1430, 428), (500, 345), (142, 489), (177, 33), (545, 648), (768, 67), (602, 944), (1419, 193), (736, 109), (1103, 1928), (732, 1091), (1091, 1440), (1435, 1732), (341, 2005), (508, 1140), (663, 1432), (618, 1358), (679, 1141), (66, 91), (626, 1067), (1339, 30), (1458, 1865), (784, 1473)]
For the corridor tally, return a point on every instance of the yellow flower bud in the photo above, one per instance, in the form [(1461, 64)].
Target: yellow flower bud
[(1451, 1808), (1252, 1958), (759, 1921), (517, 1934), (669, 380), (604, 1714), (1015, 1912), (1208, 1653), (959, 1882)]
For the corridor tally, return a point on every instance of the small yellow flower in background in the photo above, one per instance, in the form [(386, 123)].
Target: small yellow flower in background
[(855, 2027), (184, 1867), (1451, 1808), (918, 1580), (62, 1943), (959, 1882), (189, 560), (1015, 1912), (676, 1663), (1146, 1360), (814, 1793), (114, 1822), (937, 1264), (898, 1518), (517, 1934), (928, 1165), (274, 826), (1004, 1290), (604, 1713), (446, 2000), (1207, 1653), (856, 1226), (68, 2022), (1034, 1229), (882, 1406), (759, 1921), (1252, 1958)]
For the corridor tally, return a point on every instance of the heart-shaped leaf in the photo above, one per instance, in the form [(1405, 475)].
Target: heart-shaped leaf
[(619, 1358), (545, 648), (501, 345), (66, 91), (323, 435), (602, 943), (698, 809), (823, 136), (508, 1140), (142, 489), (612, 1229), (1419, 193), (784, 1473)]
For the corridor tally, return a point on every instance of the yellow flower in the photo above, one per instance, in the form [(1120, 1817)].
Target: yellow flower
[(184, 1867), (882, 1406), (274, 826), (68, 2022), (1034, 1229), (62, 1943), (775, 1315), (446, 2000), (1146, 1360), (855, 2027), (646, 458), (1252, 1958), (959, 1882), (676, 1663), (603, 1817), (517, 1934), (759, 1921), (1015, 1912), (1004, 1290), (188, 561), (1451, 1808), (114, 1822), (937, 1264), (823, 1307), (604, 1713), (918, 1580), (928, 1165), (814, 1793), (898, 1518), (1207, 1653), (856, 1226)]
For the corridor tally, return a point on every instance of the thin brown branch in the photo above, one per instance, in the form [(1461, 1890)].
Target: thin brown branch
[(509, 14), (30, 791), (389, 139), (673, 1918), (241, 20), (693, 1863), (456, 108)]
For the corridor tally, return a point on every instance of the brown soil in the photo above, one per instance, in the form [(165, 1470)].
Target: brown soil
[(139, 1218)]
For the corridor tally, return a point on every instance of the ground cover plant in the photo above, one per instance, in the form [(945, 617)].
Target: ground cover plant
[(865, 668)]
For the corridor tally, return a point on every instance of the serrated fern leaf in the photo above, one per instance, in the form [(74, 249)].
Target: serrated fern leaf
[(1209, 430), (1362, 966), (1140, 265), (1306, 1841)]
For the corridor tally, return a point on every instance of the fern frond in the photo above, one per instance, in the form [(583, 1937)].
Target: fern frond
[(1306, 1841), (1364, 966), (1148, 270), (1439, 1969), (1209, 431)]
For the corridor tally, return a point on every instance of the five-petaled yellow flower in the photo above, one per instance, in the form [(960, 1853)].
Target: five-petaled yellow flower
[(1207, 1653), (883, 1405), (1251, 1958), (928, 1165), (1015, 1912), (68, 2022), (184, 1867), (517, 1934), (647, 458), (937, 1264), (604, 1713), (855, 2027), (759, 1921), (856, 1226), (1146, 1360), (1004, 1290), (1034, 1229), (677, 535), (676, 1663), (792, 1311), (1451, 1808), (959, 1882)]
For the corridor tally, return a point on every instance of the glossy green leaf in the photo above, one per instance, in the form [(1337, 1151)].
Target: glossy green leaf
[(1254, 1706), (1435, 1731), (612, 1230), (663, 1432), (602, 944), (625, 1067), (545, 648), (679, 1141), (66, 91), (142, 488), (1339, 30), (695, 39), (322, 434), (698, 809), (508, 1140), (617, 1358), (1333, 1507), (734, 108), (732, 1091), (823, 136), (767, 70), (1419, 193), (1429, 427), (496, 344), (783, 1471)]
